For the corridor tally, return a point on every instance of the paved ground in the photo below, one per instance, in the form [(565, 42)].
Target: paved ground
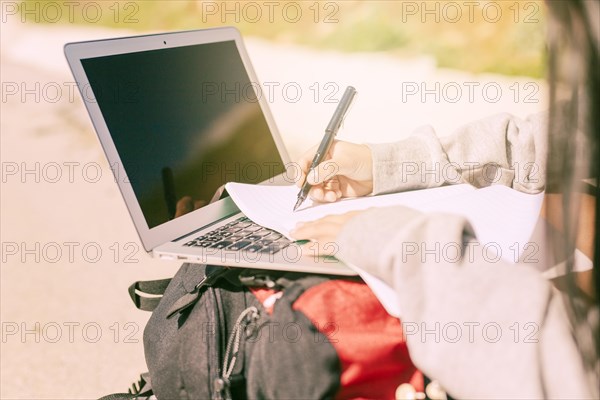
[(68, 327)]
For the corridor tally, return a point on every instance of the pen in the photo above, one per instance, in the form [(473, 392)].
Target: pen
[(330, 132)]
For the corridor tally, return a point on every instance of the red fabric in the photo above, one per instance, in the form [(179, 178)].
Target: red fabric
[(369, 342), (263, 294)]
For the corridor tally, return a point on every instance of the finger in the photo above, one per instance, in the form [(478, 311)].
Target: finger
[(316, 193), (338, 218), (296, 172), (332, 184), (329, 221), (332, 190), (321, 195), (330, 196), (300, 180), (324, 230), (324, 171), (322, 248), (306, 159)]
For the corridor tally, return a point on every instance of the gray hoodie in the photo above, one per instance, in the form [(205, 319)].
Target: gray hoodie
[(485, 330)]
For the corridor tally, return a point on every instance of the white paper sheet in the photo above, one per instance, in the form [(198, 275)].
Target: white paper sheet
[(272, 206), (503, 219)]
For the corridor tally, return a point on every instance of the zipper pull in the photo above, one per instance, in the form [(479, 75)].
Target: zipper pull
[(220, 388), (188, 299), (184, 302), (258, 280)]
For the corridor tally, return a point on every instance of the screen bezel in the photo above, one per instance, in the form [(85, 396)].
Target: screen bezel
[(204, 216)]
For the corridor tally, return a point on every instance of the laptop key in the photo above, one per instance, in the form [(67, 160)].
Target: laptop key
[(199, 243), (254, 248), (254, 237), (221, 245), (239, 245)]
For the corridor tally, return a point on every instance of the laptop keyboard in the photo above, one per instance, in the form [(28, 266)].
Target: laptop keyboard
[(242, 234)]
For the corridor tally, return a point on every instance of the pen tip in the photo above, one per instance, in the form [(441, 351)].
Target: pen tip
[(298, 203)]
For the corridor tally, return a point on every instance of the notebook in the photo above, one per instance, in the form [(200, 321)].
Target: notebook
[(178, 115)]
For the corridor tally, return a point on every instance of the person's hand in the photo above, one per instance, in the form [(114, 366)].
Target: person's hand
[(347, 171), (323, 232)]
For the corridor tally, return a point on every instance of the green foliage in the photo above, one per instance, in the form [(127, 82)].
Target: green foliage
[(477, 39)]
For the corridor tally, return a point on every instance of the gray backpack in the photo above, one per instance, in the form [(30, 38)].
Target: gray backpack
[(210, 337)]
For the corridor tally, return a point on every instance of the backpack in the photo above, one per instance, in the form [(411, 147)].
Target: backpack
[(230, 333)]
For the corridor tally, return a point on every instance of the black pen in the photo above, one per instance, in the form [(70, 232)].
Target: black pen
[(330, 132)]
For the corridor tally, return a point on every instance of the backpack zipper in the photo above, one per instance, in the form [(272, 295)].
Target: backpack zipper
[(222, 384)]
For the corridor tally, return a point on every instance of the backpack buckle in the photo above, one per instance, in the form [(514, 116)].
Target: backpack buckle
[(258, 280)]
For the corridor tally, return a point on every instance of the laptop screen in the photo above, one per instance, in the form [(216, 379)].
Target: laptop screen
[(184, 121)]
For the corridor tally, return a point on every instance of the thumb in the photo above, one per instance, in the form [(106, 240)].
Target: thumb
[(323, 172)]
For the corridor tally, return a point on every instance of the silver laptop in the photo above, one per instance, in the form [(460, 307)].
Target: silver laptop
[(178, 116)]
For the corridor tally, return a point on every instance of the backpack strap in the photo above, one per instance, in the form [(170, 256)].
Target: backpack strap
[(212, 274), (295, 287), (146, 294), (280, 280), (140, 390)]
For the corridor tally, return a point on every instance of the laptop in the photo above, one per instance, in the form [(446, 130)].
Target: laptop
[(178, 116)]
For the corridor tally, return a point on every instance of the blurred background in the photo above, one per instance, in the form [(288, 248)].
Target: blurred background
[(69, 249)]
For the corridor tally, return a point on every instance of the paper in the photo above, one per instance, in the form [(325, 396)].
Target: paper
[(384, 292), (503, 219), (272, 206)]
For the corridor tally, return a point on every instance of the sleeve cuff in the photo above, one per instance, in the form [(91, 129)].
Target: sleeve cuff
[(417, 162)]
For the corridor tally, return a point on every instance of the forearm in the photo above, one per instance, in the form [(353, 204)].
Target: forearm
[(480, 327), (501, 149)]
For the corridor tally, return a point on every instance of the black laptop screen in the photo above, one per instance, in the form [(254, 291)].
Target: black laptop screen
[(185, 121)]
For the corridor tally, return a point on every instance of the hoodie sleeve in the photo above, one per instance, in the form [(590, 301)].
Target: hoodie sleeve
[(501, 149), (482, 327)]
